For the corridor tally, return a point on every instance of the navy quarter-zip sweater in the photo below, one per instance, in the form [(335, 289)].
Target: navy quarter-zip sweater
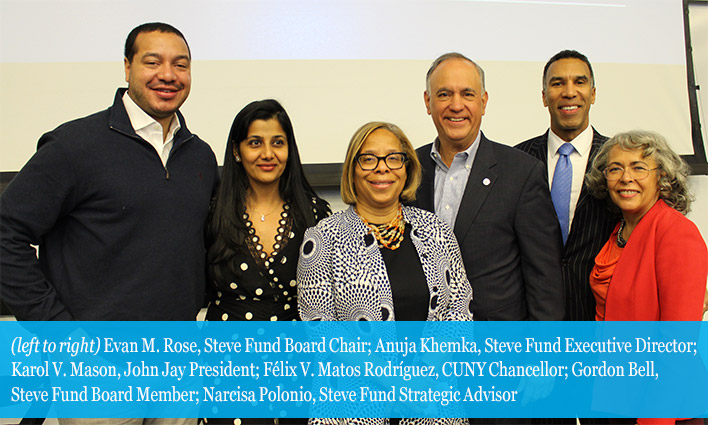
[(121, 237)]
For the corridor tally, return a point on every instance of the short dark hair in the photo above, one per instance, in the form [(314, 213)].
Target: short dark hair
[(129, 51), (568, 54)]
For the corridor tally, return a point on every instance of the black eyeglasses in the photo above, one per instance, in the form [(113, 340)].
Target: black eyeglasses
[(394, 160)]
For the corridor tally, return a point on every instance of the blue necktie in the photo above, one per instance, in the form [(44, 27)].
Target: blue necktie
[(560, 188)]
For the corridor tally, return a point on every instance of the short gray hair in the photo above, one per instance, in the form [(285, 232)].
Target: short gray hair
[(673, 183), (452, 55)]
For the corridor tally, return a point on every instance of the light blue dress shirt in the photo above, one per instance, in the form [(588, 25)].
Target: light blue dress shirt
[(450, 182)]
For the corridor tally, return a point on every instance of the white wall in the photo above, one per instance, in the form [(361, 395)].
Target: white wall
[(338, 64)]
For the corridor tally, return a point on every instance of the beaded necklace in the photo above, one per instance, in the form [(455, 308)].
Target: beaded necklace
[(389, 235), (620, 240)]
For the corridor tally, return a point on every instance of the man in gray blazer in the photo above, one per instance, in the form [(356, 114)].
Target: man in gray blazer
[(494, 197), (568, 93)]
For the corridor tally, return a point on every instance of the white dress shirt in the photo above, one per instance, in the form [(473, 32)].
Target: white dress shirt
[(150, 130), (579, 158)]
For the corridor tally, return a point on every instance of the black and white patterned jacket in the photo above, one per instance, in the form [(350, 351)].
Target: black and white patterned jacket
[(342, 275)]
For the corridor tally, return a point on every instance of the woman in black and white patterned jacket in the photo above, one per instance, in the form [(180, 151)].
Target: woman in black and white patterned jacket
[(381, 260)]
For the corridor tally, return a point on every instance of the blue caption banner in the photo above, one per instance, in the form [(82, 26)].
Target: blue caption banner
[(353, 369)]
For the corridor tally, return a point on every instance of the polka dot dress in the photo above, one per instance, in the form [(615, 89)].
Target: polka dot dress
[(263, 285)]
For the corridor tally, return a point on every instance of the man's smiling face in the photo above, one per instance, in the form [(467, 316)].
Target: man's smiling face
[(568, 93), (456, 101), (159, 74)]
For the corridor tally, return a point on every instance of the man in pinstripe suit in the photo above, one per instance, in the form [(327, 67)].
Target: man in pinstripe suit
[(568, 92)]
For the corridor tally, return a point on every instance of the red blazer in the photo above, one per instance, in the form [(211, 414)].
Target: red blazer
[(662, 272)]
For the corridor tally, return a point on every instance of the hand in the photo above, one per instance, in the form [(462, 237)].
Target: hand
[(705, 302)]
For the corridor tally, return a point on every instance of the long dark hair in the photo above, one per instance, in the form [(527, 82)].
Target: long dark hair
[(226, 230)]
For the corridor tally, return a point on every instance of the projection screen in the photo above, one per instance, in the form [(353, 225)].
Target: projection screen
[(338, 64)]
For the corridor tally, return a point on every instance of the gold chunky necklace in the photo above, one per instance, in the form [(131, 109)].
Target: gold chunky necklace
[(388, 235)]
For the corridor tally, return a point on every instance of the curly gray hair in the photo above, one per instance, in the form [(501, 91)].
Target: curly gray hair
[(673, 184)]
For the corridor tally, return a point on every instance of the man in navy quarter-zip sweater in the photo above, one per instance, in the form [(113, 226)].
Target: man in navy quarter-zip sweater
[(116, 202)]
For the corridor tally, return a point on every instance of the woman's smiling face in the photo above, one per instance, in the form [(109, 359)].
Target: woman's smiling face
[(633, 196)]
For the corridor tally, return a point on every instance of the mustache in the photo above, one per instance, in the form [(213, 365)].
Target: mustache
[(168, 86)]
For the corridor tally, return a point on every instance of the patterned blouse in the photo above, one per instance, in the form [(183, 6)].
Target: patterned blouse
[(342, 276)]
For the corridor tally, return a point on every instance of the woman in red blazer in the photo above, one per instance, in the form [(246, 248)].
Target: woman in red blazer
[(655, 264)]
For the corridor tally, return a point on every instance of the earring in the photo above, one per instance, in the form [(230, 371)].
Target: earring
[(238, 158)]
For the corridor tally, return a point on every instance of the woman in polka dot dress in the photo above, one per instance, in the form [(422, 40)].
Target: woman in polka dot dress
[(259, 216)]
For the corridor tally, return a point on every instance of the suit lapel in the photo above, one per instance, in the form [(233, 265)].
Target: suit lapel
[(426, 199), (597, 141), (585, 196), (479, 184), (539, 148)]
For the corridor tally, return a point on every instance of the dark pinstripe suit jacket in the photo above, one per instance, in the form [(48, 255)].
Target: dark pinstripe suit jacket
[(592, 225)]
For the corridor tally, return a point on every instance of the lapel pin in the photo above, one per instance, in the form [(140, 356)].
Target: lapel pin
[(486, 181)]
